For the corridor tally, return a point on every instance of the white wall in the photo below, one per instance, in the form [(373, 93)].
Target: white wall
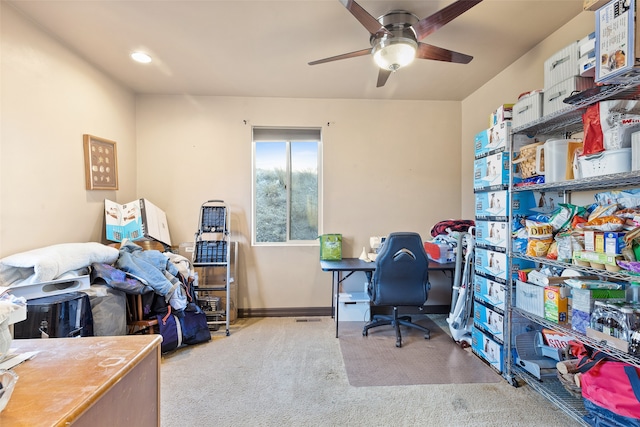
[(388, 166), (50, 98)]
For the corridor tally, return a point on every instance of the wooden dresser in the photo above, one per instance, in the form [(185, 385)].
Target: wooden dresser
[(89, 381)]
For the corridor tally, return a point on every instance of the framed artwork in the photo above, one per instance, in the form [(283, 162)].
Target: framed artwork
[(100, 163)]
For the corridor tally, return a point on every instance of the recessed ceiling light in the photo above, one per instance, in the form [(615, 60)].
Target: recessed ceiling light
[(141, 57)]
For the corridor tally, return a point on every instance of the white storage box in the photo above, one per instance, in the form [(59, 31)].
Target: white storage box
[(354, 307), (528, 109), (555, 95), (635, 151), (605, 163), (561, 66), (530, 298), (587, 45)]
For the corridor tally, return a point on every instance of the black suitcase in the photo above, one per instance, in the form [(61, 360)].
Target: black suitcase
[(58, 316)]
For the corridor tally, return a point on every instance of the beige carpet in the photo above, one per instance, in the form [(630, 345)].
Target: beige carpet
[(376, 361), (281, 372)]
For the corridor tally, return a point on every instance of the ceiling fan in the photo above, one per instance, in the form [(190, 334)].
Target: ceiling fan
[(395, 37)]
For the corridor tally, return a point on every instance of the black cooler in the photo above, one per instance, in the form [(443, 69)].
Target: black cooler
[(58, 316)]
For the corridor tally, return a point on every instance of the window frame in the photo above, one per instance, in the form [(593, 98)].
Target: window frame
[(287, 140)]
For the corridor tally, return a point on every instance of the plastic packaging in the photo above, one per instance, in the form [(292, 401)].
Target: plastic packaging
[(8, 381), (598, 317)]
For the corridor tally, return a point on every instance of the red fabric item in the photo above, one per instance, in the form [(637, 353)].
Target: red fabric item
[(610, 385)]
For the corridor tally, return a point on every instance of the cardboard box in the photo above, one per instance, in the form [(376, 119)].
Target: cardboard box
[(616, 42), (556, 339), (589, 240), (486, 348), (493, 172), (492, 234), (596, 257), (605, 339), (136, 220), (491, 264), (614, 242), (555, 306), (584, 299), (489, 321), (599, 242), (489, 292), (492, 205), (501, 114), (492, 140)]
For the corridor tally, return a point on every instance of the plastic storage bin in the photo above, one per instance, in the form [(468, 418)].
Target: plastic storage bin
[(605, 163), (59, 316), (562, 65), (528, 109), (530, 298), (554, 96)]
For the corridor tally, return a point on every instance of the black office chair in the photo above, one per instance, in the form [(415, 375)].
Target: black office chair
[(401, 278)]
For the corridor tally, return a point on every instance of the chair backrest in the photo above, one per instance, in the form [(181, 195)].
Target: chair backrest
[(401, 277)]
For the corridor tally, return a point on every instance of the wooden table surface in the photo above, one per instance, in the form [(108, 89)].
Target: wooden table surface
[(70, 375)]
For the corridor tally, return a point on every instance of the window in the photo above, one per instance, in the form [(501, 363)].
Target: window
[(286, 185)]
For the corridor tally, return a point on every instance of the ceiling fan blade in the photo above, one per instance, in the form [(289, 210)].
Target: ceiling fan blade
[(383, 75), (365, 18), (428, 25), (343, 56), (427, 51)]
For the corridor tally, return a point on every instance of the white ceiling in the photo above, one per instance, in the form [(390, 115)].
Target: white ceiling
[(261, 48)]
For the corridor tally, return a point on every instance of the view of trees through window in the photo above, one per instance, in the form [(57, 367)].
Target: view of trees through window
[(286, 185)]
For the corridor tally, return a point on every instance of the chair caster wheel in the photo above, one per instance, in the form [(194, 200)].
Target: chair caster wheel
[(427, 336), (365, 333), (398, 344)]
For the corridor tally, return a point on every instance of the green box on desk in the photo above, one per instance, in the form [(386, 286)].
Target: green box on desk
[(331, 247)]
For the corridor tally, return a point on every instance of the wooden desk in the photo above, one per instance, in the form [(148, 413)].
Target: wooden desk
[(352, 265), (89, 381)]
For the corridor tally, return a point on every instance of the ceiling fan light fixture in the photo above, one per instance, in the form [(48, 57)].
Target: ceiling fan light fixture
[(394, 53), (141, 57)]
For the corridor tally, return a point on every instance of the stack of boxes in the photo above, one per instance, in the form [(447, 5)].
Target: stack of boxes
[(493, 207), (562, 78), (568, 71)]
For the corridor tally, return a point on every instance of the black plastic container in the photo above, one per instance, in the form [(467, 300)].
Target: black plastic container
[(58, 316)]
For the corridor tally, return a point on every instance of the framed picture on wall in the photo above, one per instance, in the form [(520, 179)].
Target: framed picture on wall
[(100, 163)]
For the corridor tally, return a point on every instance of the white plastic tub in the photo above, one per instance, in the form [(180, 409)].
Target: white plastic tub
[(605, 163)]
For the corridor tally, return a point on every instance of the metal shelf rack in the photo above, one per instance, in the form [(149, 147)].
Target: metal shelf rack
[(216, 262), (554, 391), (566, 122)]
